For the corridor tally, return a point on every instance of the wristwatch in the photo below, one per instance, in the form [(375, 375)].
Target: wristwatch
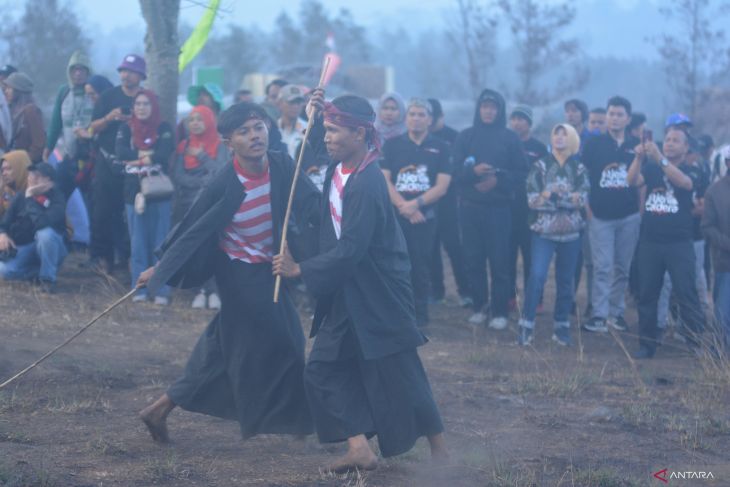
[(664, 162)]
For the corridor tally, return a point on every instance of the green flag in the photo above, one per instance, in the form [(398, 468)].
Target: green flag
[(199, 37)]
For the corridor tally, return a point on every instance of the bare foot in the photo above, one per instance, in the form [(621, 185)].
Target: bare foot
[(355, 459), (154, 417), (156, 425), (439, 452)]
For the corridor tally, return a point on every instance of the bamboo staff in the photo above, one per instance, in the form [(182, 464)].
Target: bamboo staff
[(69, 340), (310, 122)]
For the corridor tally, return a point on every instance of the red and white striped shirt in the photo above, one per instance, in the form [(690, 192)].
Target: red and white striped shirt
[(337, 191), (249, 236)]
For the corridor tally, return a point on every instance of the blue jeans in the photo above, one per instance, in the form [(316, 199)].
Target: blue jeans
[(722, 303), (566, 260), (41, 258), (146, 232)]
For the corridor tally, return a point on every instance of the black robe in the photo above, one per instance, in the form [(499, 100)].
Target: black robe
[(367, 269), (364, 375), (248, 363)]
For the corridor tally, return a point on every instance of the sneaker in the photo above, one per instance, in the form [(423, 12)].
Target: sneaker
[(139, 298), (478, 318), (679, 337), (199, 301), (47, 287), (498, 323), (618, 323), (597, 325), (561, 336), (525, 337), (465, 301), (214, 302), (162, 300)]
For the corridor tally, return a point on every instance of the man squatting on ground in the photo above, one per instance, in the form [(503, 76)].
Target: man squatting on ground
[(363, 377)]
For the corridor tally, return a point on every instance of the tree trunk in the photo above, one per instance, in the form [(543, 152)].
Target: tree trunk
[(162, 48)]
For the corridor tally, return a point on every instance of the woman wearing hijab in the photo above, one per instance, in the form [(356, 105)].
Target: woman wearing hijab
[(14, 177), (557, 191), (144, 145), (391, 117), (28, 131), (198, 157)]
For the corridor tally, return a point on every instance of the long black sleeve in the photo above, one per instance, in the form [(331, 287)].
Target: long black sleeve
[(53, 216), (123, 146), (328, 271), (164, 147)]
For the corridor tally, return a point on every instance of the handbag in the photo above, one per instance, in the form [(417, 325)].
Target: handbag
[(156, 185)]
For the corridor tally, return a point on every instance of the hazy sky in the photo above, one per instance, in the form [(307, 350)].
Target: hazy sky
[(606, 27), (263, 13)]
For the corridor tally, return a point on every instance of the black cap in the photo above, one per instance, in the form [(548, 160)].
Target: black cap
[(7, 70), (44, 169), (488, 96)]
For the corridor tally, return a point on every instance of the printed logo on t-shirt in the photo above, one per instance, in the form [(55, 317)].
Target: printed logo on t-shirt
[(614, 176), (413, 179), (317, 174), (662, 201)]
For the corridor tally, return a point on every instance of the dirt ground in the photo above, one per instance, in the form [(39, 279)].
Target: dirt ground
[(541, 416)]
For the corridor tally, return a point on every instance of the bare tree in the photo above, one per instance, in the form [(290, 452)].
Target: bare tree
[(162, 48), (41, 41), (537, 28), (474, 34), (689, 51)]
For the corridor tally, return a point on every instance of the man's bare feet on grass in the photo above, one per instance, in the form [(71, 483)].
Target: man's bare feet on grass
[(359, 456), (155, 418), (439, 452)]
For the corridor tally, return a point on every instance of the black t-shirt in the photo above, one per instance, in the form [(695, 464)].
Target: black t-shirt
[(109, 100), (447, 134), (534, 151), (414, 168), (611, 197), (667, 210)]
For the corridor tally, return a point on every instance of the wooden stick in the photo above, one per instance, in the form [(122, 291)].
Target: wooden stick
[(69, 340), (310, 122)]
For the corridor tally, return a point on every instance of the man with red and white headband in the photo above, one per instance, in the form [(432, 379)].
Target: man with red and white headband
[(363, 377)]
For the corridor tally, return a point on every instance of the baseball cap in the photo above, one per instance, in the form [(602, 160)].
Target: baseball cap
[(291, 93), (44, 169), (7, 70), (678, 119)]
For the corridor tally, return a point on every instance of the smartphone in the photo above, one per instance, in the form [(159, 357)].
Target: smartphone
[(647, 136), (126, 111)]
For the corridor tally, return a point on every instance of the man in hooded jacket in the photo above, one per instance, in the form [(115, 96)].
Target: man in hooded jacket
[(489, 163), (72, 109)]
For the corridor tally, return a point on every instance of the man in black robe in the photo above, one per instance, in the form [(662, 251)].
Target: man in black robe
[(363, 377), (248, 364)]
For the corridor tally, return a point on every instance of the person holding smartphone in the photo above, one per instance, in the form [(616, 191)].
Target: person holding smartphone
[(665, 241), (108, 232)]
